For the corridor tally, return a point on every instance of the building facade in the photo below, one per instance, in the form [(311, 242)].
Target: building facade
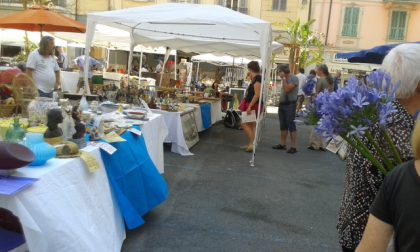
[(356, 25)]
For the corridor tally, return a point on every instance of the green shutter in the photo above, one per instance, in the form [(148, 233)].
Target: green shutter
[(350, 22), (279, 5), (398, 24)]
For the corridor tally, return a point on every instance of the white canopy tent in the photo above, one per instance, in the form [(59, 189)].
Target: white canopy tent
[(108, 37), (191, 28), (220, 60)]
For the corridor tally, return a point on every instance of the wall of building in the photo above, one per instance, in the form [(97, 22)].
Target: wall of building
[(373, 25)]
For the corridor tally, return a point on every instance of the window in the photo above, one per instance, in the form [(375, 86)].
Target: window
[(279, 5), (186, 1), (398, 24), (351, 22), (236, 5)]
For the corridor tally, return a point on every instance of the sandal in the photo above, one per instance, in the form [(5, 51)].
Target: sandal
[(311, 148), (279, 147), (249, 149), (292, 151)]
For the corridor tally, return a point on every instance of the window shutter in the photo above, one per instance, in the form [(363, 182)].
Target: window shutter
[(276, 4), (350, 22), (398, 23)]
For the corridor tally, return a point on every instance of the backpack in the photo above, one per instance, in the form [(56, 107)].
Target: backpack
[(232, 119)]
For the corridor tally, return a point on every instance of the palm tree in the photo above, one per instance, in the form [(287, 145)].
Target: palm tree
[(304, 44)]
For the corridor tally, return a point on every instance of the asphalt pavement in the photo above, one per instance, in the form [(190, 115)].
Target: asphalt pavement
[(218, 202)]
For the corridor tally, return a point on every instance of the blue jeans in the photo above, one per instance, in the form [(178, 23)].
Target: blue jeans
[(287, 114), (42, 94)]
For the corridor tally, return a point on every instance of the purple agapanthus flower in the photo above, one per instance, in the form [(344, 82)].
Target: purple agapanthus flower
[(360, 101), (354, 108), (358, 131)]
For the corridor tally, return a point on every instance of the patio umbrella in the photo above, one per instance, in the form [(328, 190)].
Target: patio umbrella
[(374, 55), (41, 19)]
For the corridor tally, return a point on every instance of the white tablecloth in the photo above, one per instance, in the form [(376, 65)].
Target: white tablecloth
[(175, 132), (68, 208), (155, 132), (69, 81)]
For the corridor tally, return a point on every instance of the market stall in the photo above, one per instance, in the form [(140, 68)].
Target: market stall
[(191, 28)]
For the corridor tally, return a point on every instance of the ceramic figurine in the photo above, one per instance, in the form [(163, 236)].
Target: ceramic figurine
[(15, 133), (53, 134), (79, 136)]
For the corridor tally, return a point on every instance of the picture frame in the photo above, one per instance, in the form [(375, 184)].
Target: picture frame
[(240, 93), (189, 128)]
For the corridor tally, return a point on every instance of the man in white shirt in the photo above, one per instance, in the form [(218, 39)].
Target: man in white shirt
[(301, 96), (42, 67)]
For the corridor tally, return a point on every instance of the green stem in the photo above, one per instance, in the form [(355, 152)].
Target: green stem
[(359, 146), (380, 151), (393, 148)]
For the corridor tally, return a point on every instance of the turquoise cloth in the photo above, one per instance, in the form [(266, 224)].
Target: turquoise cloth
[(206, 115), (136, 183)]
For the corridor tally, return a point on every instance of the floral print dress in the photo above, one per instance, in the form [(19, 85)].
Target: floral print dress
[(362, 180)]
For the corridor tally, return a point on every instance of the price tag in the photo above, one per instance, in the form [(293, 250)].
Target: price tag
[(108, 148), (135, 131)]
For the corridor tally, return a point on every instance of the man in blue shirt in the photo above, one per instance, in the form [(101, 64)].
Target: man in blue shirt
[(80, 63)]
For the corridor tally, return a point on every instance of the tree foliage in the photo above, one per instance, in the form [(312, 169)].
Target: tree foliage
[(304, 44)]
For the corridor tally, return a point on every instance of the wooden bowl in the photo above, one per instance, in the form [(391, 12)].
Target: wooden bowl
[(14, 156)]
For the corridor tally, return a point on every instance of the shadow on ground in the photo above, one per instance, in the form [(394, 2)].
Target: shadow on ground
[(219, 203)]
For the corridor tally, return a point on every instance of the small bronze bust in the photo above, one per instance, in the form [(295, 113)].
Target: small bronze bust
[(80, 130), (54, 117)]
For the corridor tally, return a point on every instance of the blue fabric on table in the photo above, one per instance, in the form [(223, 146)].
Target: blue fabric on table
[(206, 115), (136, 183)]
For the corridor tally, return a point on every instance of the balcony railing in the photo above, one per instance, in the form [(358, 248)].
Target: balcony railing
[(59, 3), (403, 1)]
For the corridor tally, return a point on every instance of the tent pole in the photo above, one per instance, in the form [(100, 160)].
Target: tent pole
[(107, 57), (130, 56), (141, 64), (176, 60), (198, 70)]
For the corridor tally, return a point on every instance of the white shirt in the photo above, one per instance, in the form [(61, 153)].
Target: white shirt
[(302, 80), (44, 69)]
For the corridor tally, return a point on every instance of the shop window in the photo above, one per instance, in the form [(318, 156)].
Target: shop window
[(398, 25), (351, 22)]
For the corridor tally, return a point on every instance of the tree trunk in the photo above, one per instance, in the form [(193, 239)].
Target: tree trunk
[(291, 57)]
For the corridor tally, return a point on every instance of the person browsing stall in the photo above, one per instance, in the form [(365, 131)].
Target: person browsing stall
[(80, 63), (42, 67), (251, 102), (287, 109)]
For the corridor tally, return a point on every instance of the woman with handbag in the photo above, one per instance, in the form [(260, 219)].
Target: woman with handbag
[(250, 103)]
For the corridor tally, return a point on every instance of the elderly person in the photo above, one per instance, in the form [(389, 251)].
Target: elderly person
[(396, 208), (362, 180), (43, 68)]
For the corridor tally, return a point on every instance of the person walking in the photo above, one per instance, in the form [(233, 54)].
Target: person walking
[(42, 67), (324, 84), (251, 102), (287, 110), (362, 180), (301, 96), (337, 81)]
